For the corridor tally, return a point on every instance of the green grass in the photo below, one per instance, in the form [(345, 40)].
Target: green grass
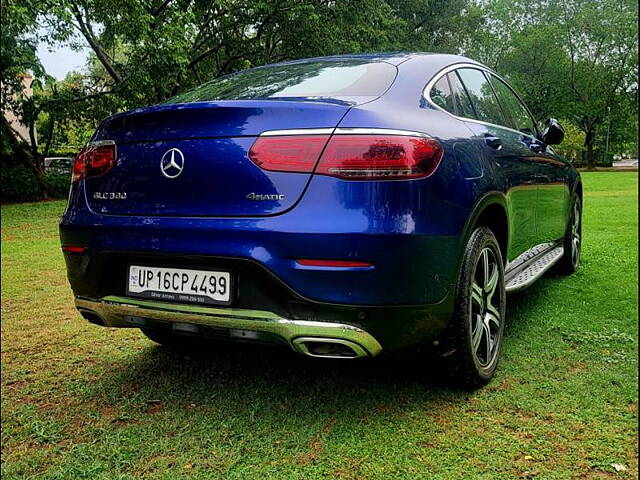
[(80, 401)]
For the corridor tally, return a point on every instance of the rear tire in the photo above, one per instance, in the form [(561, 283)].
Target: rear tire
[(473, 338), (570, 261)]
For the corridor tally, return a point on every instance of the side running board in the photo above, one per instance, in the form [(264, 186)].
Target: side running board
[(529, 267)]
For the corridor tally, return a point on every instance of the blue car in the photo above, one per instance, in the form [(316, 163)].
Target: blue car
[(341, 206)]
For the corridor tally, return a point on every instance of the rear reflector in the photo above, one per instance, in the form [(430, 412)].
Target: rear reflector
[(94, 160), (73, 249), (350, 157), (331, 263)]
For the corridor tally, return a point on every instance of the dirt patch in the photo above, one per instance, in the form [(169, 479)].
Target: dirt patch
[(317, 444), (576, 368), (595, 475), (153, 407)]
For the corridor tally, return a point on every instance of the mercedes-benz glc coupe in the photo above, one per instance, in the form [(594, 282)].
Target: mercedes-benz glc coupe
[(343, 206)]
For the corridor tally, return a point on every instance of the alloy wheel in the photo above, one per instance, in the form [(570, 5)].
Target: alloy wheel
[(485, 308), (575, 234)]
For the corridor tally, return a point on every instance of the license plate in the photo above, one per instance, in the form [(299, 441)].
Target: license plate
[(179, 284)]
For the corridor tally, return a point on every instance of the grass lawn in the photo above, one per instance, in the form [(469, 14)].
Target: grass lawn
[(81, 401)]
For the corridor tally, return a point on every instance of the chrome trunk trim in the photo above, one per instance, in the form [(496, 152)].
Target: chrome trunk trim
[(297, 131), (343, 131), (379, 131), (100, 143)]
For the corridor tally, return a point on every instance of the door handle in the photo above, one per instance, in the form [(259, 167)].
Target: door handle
[(492, 142), (537, 147)]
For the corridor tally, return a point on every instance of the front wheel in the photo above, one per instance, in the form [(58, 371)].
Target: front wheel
[(572, 243), (474, 335)]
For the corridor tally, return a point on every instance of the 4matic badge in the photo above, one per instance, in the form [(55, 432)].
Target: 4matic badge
[(265, 196)]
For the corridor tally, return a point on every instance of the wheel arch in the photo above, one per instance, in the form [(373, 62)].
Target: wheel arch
[(577, 189), (490, 211)]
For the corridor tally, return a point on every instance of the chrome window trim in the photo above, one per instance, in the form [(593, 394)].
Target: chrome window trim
[(426, 93), (343, 131)]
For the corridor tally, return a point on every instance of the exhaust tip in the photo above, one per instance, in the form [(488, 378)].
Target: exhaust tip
[(328, 348)]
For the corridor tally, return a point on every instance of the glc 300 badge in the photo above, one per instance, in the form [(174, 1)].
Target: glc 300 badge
[(265, 196), (110, 195)]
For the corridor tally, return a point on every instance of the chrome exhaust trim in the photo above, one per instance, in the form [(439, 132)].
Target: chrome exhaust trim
[(313, 347), (303, 336)]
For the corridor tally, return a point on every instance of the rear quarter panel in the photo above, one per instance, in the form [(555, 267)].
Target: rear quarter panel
[(439, 205)]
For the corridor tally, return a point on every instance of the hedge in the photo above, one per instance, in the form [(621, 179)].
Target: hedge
[(56, 185), (19, 183)]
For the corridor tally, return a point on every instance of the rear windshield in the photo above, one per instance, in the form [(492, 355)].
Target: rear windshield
[(347, 78)]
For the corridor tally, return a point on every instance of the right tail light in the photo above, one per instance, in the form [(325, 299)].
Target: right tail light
[(350, 156)]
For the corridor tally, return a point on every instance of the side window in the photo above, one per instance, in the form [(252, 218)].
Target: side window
[(465, 109), (513, 107), (482, 96), (441, 94)]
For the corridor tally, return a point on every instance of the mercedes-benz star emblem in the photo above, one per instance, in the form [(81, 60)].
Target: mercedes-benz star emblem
[(172, 163)]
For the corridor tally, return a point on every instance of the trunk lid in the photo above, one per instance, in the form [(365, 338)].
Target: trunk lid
[(192, 159)]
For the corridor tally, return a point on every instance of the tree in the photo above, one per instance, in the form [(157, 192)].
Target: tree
[(17, 57), (69, 114), (166, 46), (575, 59), (601, 37), (573, 142), (145, 51)]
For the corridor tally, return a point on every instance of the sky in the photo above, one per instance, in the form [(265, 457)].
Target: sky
[(60, 60)]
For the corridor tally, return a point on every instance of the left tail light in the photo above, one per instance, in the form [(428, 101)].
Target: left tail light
[(94, 160)]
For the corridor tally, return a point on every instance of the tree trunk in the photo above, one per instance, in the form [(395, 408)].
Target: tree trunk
[(20, 152), (38, 160), (52, 126), (589, 143)]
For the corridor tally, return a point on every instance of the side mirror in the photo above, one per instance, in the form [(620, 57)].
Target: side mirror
[(553, 133)]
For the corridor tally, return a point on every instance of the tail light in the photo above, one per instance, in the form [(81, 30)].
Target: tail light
[(297, 153), (350, 156), (380, 157), (94, 160)]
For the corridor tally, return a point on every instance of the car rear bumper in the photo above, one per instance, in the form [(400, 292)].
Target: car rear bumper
[(406, 268), (303, 336), (404, 297)]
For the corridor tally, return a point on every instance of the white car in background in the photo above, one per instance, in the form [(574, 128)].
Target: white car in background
[(58, 165)]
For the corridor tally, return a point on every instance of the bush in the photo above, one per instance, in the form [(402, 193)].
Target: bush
[(19, 183), (56, 185), (572, 146)]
